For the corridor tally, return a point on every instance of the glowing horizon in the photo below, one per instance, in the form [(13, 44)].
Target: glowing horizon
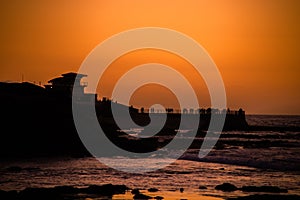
[(255, 45)]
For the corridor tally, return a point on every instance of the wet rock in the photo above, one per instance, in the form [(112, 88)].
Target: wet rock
[(141, 196), (10, 195), (66, 190), (270, 189), (61, 192), (93, 189), (107, 189), (226, 187), (267, 197), (39, 193), (135, 191), (153, 190)]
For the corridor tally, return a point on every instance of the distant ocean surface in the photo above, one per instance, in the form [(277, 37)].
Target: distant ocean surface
[(272, 149), (274, 120), (241, 158)]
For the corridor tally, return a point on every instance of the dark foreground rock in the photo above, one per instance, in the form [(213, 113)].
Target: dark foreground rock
[(267, 197), (61, 192), (107, 190), (141, 196), (153, 190), (269, 189), (135, 191), (11, 195), (226, 187)]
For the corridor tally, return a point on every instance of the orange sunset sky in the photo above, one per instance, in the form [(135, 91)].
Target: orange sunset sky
[(254, 43)]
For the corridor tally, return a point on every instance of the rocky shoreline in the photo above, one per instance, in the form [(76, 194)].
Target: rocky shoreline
[(107, 191)]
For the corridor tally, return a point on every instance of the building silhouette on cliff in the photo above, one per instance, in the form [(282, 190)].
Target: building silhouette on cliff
[(70, 84)]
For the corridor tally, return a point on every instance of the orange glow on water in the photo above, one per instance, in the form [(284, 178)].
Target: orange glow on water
[(168, 195)]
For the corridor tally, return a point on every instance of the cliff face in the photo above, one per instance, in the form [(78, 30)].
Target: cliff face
[(34, 123)]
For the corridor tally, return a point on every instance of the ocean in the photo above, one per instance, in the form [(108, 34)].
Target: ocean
[(242, 158)]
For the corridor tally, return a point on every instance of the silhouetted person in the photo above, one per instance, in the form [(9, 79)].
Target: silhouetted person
[(208, 111), (191, 111), (185, 111)]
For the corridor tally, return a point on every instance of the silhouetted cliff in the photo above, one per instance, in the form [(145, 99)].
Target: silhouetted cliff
[(36, 122)]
